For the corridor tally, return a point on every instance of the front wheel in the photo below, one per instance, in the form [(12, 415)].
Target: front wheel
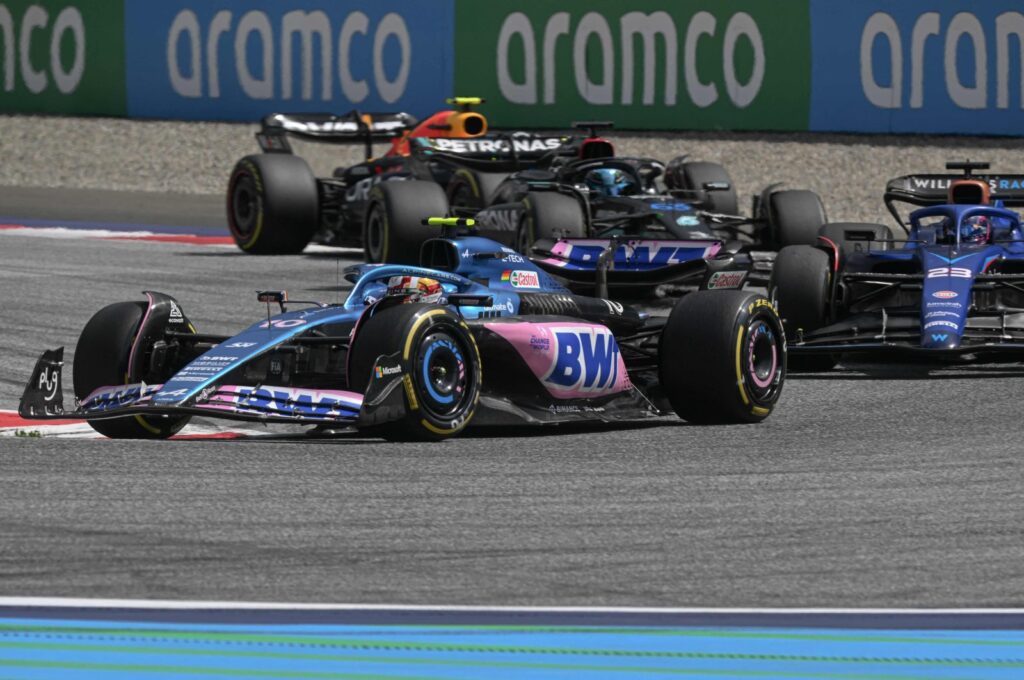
[(722, 357), (549, 215), (800, 284), (102, 359), (796, 217), (393, 232), (439, 360)]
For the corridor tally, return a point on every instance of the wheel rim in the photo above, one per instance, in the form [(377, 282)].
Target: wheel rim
[(245, 205), (374, 240), (444, 374), (763, 361)]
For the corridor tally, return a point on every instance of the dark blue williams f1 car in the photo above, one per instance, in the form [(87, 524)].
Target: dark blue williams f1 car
[(953, 289), (478, 335)]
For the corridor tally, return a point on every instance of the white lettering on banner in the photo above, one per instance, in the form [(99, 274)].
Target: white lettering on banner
[(593, 24), (701, 94), (518, 24), (966, 24), (599, 88), (311, 32), (964, 28), (35, 20), (306, 24), (648, 27)]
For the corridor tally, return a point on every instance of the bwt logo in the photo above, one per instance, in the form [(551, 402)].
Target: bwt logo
[(648, 28), (965, 28), (586, 360), (192, 54), (35, 25)]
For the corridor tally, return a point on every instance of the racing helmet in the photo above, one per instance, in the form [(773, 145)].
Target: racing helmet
[(611, 182), (415, 289), (975, 229)]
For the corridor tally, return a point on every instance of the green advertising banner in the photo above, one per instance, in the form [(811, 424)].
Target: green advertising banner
[(62, 56), (646, 64)]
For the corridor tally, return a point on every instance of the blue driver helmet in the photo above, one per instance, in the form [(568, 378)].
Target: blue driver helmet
[(975, 229), (611, 182)]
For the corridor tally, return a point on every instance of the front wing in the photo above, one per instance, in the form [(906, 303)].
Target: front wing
[(900, 333), (43, 399)]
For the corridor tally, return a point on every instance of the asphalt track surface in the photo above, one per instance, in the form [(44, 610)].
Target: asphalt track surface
[(869, 486)]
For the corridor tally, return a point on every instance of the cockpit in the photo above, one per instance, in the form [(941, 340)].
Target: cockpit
[(964, 225)]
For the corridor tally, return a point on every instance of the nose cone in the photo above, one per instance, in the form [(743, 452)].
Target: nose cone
[(940, 339)]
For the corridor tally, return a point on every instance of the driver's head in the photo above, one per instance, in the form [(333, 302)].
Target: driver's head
[(975, 229), (415, 289), (611, 182)]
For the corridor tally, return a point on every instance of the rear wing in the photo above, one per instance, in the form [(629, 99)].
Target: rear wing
[(924, 190), (350, 128), (495, 152)]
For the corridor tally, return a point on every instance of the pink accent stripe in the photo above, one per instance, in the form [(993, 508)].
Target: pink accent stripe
[(138, 335)]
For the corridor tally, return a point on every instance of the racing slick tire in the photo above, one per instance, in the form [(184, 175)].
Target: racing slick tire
[(549, 215), (800, 285), (851, 237), (722, 357), (796, 216), (696, 175), (101, 359), (473, 190), (273, 204), (393, 231), (441, 363)]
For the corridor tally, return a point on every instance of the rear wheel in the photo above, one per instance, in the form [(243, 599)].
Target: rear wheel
[(441, 364), (101, 360), (722, 357), (393, 231), (273, 204), (800, 284), (796, 217), (549, 215)]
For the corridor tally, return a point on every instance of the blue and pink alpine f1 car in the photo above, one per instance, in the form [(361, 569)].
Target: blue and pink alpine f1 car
[(954, 288), (478, 334)]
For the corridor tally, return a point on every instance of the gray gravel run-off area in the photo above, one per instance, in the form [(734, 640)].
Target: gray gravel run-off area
[(848, 171)]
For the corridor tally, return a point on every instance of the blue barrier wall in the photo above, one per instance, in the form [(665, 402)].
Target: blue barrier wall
[(240, 59), (903, 66), (917, 66)]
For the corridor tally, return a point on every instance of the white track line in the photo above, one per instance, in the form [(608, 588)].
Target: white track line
[(101, 603)]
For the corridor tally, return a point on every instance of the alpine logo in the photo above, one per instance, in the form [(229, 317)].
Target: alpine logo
[(176, 316), (586, 360), (521, 278), (944, 294)]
